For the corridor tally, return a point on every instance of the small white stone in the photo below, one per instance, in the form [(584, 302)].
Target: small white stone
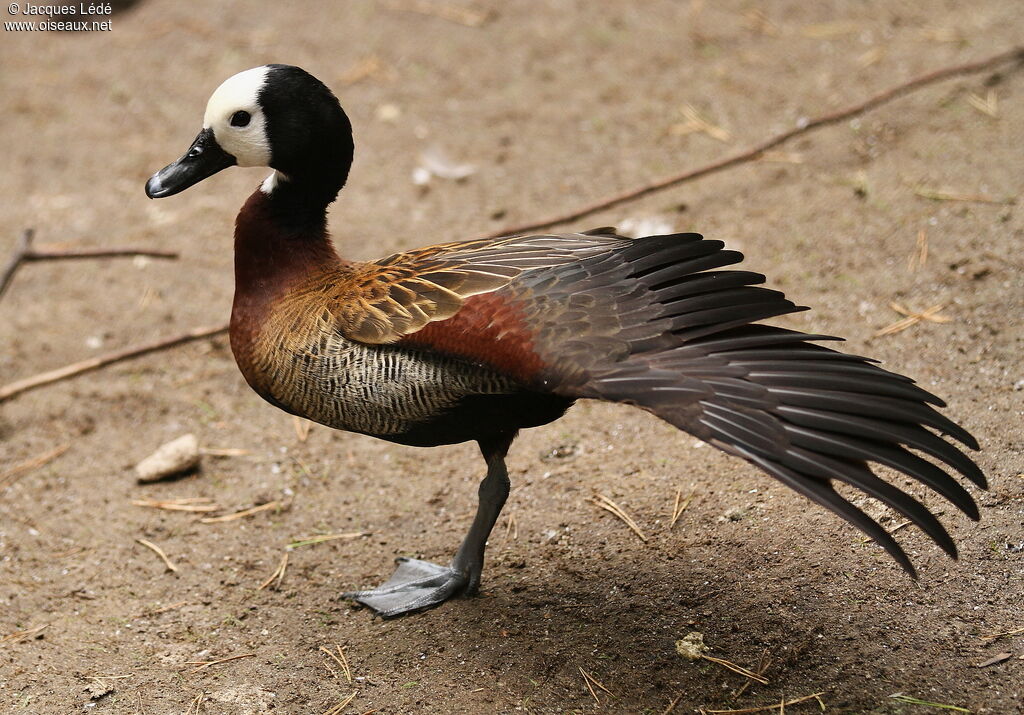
[(175, 457)]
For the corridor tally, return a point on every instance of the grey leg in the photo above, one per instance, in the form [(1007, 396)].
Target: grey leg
[(416, 585)]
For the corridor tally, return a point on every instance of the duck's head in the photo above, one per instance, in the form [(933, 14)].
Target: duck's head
[(278, 116)]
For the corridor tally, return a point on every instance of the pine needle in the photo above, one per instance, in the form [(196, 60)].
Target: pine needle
[(949, 195), (190, 504), (203, 664), (928, 314), (927, 703), (241, 514), (1002, 634), (340, 707), (165, 609), (989, 105), (696, 124), (739, 669), (224, 451), (679, 506), (340, 659), (159, 552), (917, 259), (511, 528), (780, 706), (610, 506), (195, 707), (302, 427), (311, 540), (589, 679), (278, 574)]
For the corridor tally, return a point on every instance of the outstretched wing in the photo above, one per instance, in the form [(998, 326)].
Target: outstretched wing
[(656, 325), (383, 301)]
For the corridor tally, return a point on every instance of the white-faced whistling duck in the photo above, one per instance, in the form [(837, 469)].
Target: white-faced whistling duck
[(478, 339)]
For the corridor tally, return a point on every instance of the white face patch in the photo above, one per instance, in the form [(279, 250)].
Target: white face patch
[(249, 143)]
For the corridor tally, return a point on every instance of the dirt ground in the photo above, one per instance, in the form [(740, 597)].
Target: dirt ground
[(555, 105)]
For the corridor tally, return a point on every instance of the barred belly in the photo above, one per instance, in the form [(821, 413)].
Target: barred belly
[(380, 390)]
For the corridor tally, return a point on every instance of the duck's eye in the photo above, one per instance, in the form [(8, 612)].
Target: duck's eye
[(240, 118)]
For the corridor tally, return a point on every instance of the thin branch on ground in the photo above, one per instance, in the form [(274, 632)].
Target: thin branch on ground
[(804, 126), (21, 468), (16, 388), (25, 253), (23, 247)]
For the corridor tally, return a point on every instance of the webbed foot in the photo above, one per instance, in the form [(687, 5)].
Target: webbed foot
[(417, 585), (414, 586)]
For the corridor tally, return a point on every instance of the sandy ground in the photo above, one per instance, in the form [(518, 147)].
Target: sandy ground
[(555, 105)]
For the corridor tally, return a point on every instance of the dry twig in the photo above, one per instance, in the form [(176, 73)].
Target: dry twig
[(871, 56), (995, 660), (19, 636), (74, 369), (804, 126), (22, 468), (24, 253), (692, 647)]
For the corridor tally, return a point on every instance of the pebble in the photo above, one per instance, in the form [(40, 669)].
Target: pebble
[(179, 455)]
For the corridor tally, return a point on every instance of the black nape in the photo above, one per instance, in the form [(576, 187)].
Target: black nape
[(310, 141)]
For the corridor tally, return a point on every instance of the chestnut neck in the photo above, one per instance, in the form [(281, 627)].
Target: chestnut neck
[(280, 240)]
